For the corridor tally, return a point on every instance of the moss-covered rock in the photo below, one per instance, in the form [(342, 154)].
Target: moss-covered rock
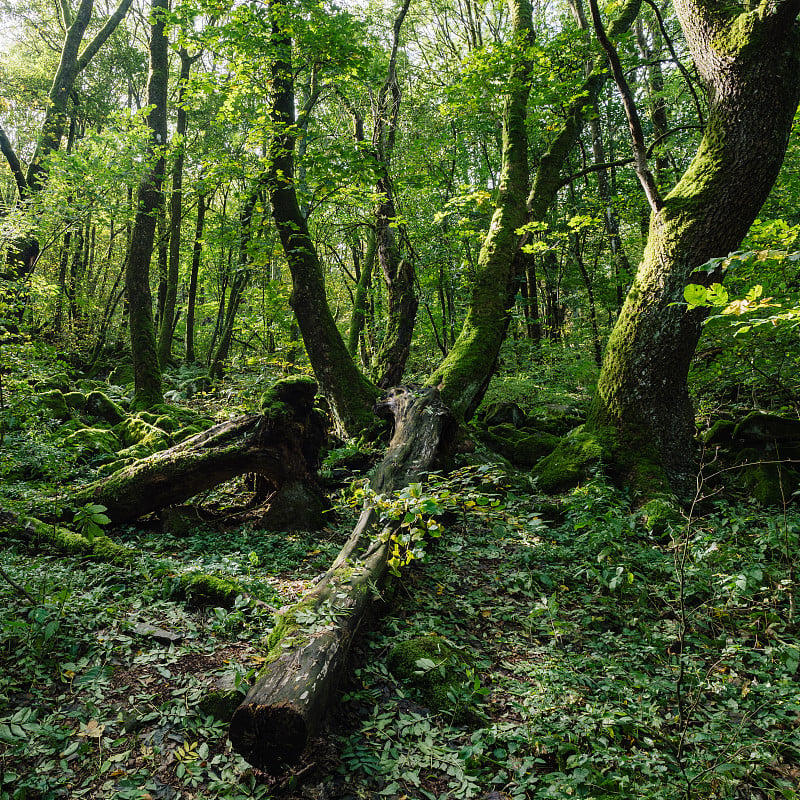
[(502, 412), (135, 430), (209, 590), (522, 447), (761, 427), (75, 401), (556, 418), (661, 514), (54, 404), (60, 382), (721, 432), (765, 478), (437, 673), (182, 434), (100, 405), (184, 416), (94, 440), (575, 458)]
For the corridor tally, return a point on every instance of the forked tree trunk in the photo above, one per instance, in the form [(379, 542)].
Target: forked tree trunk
[(311, 640)]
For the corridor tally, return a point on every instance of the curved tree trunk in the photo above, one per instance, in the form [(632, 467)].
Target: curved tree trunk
[(750, 63), (466, 371), (348, 392)]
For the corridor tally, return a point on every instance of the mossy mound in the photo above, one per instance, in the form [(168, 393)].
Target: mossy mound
[(203, 590), (522, 447), (575, 458), (75, 401), (93, 441), (180, 415), (437, 673), (102, 406), (721, 432), (59, 382), (283, 396), (53, 403), (502, 412), (135, 430), (556, 418), (661, 514), (767, 480)]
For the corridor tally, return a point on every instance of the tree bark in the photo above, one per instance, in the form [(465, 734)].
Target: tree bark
[(175, 216), (398, 271), (750, 63), (146, 369), (197, 251), (288, 701)]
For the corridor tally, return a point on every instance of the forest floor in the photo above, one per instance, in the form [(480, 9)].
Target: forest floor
[(585, 654), (598, 659)]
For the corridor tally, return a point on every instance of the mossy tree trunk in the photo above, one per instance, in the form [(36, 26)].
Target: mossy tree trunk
[(750, 63), (467, 369), (197, 251), (310, 642), (167, 321), (146, 369), (349, 394)]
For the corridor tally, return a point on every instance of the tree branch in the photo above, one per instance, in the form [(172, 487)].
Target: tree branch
[(668, 41), (13, 163), (634, 123), (99, 40)]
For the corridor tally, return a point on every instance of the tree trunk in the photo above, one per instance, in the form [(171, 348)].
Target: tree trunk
[(307, 659), (282, 444), (197, 251), (398, 271), (146, 369), (348, 392), (466, 371), (750, 62), (175, 215)]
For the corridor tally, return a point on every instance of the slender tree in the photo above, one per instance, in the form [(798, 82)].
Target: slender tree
[(150, 198)]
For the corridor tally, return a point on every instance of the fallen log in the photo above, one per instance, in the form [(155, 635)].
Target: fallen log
[(310, 641), (282, 444)]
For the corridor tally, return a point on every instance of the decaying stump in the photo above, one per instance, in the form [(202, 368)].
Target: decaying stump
[(282, 444), (311, 639)]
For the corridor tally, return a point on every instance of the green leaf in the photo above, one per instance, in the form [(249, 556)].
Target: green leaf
[(695, 295)]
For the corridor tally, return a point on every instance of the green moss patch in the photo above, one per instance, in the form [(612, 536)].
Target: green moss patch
[(203, 590), (54, 404), (522, 447), (101, 405), (436, 672), (572, 462), (287, 394)]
